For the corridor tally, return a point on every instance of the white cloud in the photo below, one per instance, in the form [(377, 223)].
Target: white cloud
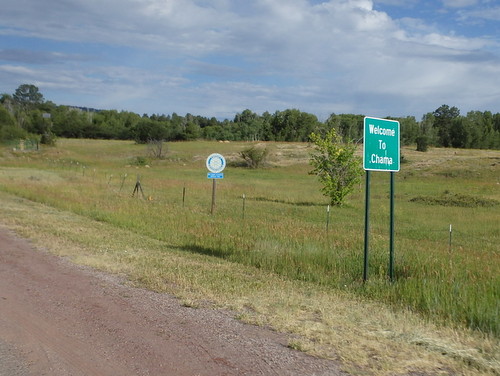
[(17, 70), (453, 42)]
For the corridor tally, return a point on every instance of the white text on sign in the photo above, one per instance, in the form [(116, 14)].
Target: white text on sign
[(381, 159)]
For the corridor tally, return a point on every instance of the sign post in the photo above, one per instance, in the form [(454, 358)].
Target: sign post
[(215, 164), (381, 152), (367, 225)]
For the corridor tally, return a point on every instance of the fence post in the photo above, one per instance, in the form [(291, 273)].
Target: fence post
[(327, 217), (243, 210), (450, 239), (123, 181)]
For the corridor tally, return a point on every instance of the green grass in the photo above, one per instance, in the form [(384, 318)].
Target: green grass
[(283, 231)]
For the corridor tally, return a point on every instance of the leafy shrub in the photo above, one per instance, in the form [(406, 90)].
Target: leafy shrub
[(140, 161), (254, 156), (12, 132), (157, 149), (48, 138)]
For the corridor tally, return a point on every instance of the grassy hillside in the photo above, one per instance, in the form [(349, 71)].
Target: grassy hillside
[(451, 281)]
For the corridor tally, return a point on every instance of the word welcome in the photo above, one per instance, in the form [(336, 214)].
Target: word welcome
[(375, 129)]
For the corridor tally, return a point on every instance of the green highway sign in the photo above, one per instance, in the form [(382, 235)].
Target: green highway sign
[(381, 144)]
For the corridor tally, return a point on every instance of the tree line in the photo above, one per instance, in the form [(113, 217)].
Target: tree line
[(26, 114)]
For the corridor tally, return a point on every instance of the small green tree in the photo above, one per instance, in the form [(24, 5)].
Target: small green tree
[(336, 165)]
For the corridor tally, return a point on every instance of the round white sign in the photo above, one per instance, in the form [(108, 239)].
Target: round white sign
[(216, 163)]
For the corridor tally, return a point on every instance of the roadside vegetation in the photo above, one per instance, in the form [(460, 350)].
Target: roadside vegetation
[(274, 261)]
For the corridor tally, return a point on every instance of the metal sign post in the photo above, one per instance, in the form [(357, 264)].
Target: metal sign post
[(367, 226), (391, 225)]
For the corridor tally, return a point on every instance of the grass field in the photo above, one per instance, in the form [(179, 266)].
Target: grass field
[(448, 282)]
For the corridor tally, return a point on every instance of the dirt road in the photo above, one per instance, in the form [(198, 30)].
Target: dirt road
[(60, 319)]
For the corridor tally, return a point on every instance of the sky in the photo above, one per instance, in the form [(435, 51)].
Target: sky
[(216, 58)]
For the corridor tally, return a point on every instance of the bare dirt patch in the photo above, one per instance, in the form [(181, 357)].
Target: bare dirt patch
[(57, 318)]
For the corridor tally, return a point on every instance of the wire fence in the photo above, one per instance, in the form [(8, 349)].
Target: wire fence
[(24, 145), (448, 234)]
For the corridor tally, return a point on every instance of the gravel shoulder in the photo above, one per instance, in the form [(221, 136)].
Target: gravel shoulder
[(57, 318)]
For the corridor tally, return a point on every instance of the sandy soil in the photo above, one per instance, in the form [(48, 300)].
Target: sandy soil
[(60, 319)]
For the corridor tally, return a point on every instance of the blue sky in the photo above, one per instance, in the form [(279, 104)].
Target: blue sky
[(219, 57)]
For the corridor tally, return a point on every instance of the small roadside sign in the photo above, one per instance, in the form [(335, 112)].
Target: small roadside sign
[(216, 163)]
